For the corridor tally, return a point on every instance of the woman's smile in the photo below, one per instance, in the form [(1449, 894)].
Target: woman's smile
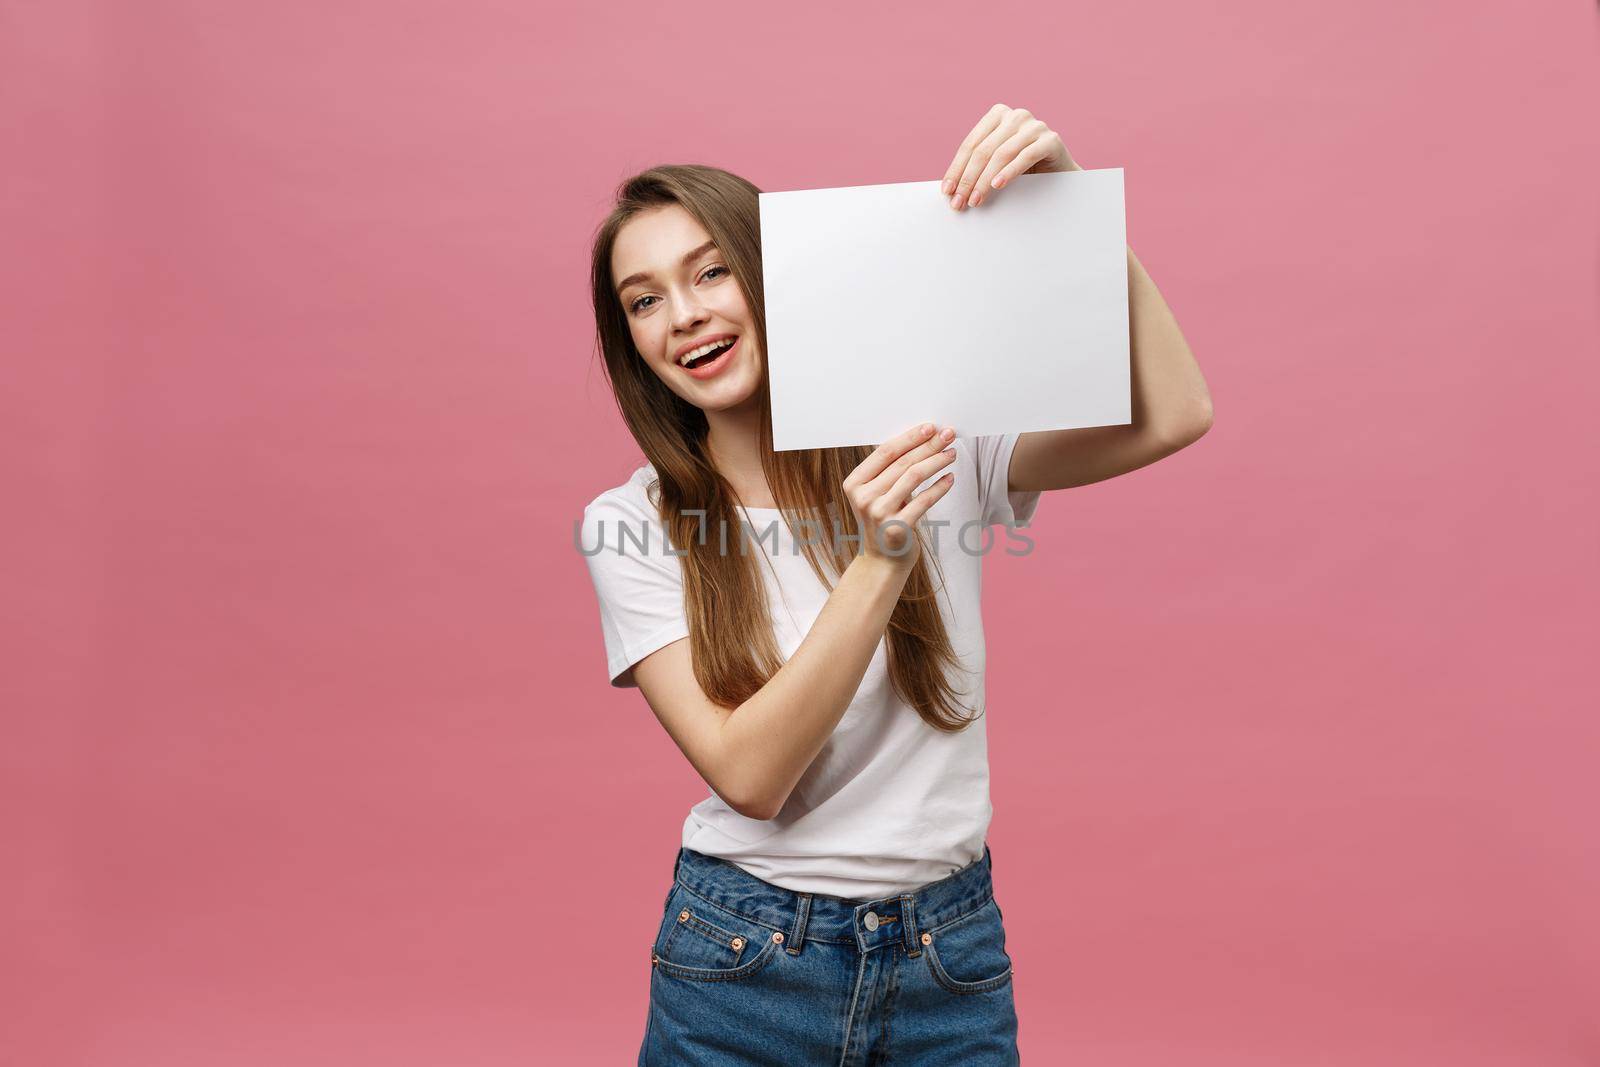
[(715, 365)]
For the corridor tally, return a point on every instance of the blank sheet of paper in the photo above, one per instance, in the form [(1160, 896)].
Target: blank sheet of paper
[(887, 308)]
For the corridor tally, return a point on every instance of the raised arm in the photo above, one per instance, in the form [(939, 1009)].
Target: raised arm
[(1171, 404)]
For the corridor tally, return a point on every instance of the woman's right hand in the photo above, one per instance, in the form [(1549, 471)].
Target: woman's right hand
[(879, 491)]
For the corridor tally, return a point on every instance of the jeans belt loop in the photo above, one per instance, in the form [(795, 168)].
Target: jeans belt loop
[(908, 919), (797, 933)]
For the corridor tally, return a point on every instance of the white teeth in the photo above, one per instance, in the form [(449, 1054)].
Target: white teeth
[(703, 349)]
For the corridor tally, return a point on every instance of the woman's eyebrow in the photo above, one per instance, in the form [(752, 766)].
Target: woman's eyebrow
[(644, 275)]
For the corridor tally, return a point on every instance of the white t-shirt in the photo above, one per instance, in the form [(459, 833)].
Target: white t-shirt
[(889, 804)]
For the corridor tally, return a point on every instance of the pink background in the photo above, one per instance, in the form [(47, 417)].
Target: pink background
[(308, 751)]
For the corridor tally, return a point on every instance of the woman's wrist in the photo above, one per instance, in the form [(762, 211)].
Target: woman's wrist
[(880, 569)]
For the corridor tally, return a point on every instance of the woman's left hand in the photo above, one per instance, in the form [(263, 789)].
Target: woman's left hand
[(1006, 142)]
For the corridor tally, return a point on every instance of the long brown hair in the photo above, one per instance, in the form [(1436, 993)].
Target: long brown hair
[(730, 628)]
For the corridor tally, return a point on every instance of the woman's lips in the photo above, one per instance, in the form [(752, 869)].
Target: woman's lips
[(716, 366)]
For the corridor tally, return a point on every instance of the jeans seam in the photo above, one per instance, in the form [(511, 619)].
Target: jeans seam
[(888, 1004), (727, 910), (959, 918)]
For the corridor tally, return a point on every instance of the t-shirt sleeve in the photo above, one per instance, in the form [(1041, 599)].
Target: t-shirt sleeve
[(640, 589), (997, 504)]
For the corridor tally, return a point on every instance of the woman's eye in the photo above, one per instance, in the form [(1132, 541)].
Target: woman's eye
[(636, 307)]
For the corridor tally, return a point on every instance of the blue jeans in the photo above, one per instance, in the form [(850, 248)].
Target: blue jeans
[(746, 972)]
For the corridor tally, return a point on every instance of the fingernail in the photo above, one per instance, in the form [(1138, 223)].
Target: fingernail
[(948, 433), (955, 201), (977, 197), (945, 187), (999, 180), (926, 427)]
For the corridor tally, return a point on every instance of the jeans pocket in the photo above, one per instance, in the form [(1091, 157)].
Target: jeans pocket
[(702, 942), (968, 955)]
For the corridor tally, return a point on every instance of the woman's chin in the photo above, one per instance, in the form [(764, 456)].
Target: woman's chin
[(730, 402), (726, 394)]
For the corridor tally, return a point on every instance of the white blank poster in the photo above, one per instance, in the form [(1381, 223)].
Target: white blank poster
[(886, 308)]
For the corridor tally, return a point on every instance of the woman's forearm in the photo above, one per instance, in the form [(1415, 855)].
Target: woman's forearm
[(770, 739)]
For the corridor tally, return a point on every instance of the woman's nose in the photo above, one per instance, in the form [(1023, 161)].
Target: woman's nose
[(689, 316)]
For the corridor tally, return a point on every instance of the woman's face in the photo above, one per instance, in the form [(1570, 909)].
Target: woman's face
[(678, 294)]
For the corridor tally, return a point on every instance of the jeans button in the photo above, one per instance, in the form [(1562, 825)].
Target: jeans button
[(871, 921)]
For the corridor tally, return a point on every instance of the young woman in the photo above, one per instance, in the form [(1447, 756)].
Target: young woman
[(806, 627)]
